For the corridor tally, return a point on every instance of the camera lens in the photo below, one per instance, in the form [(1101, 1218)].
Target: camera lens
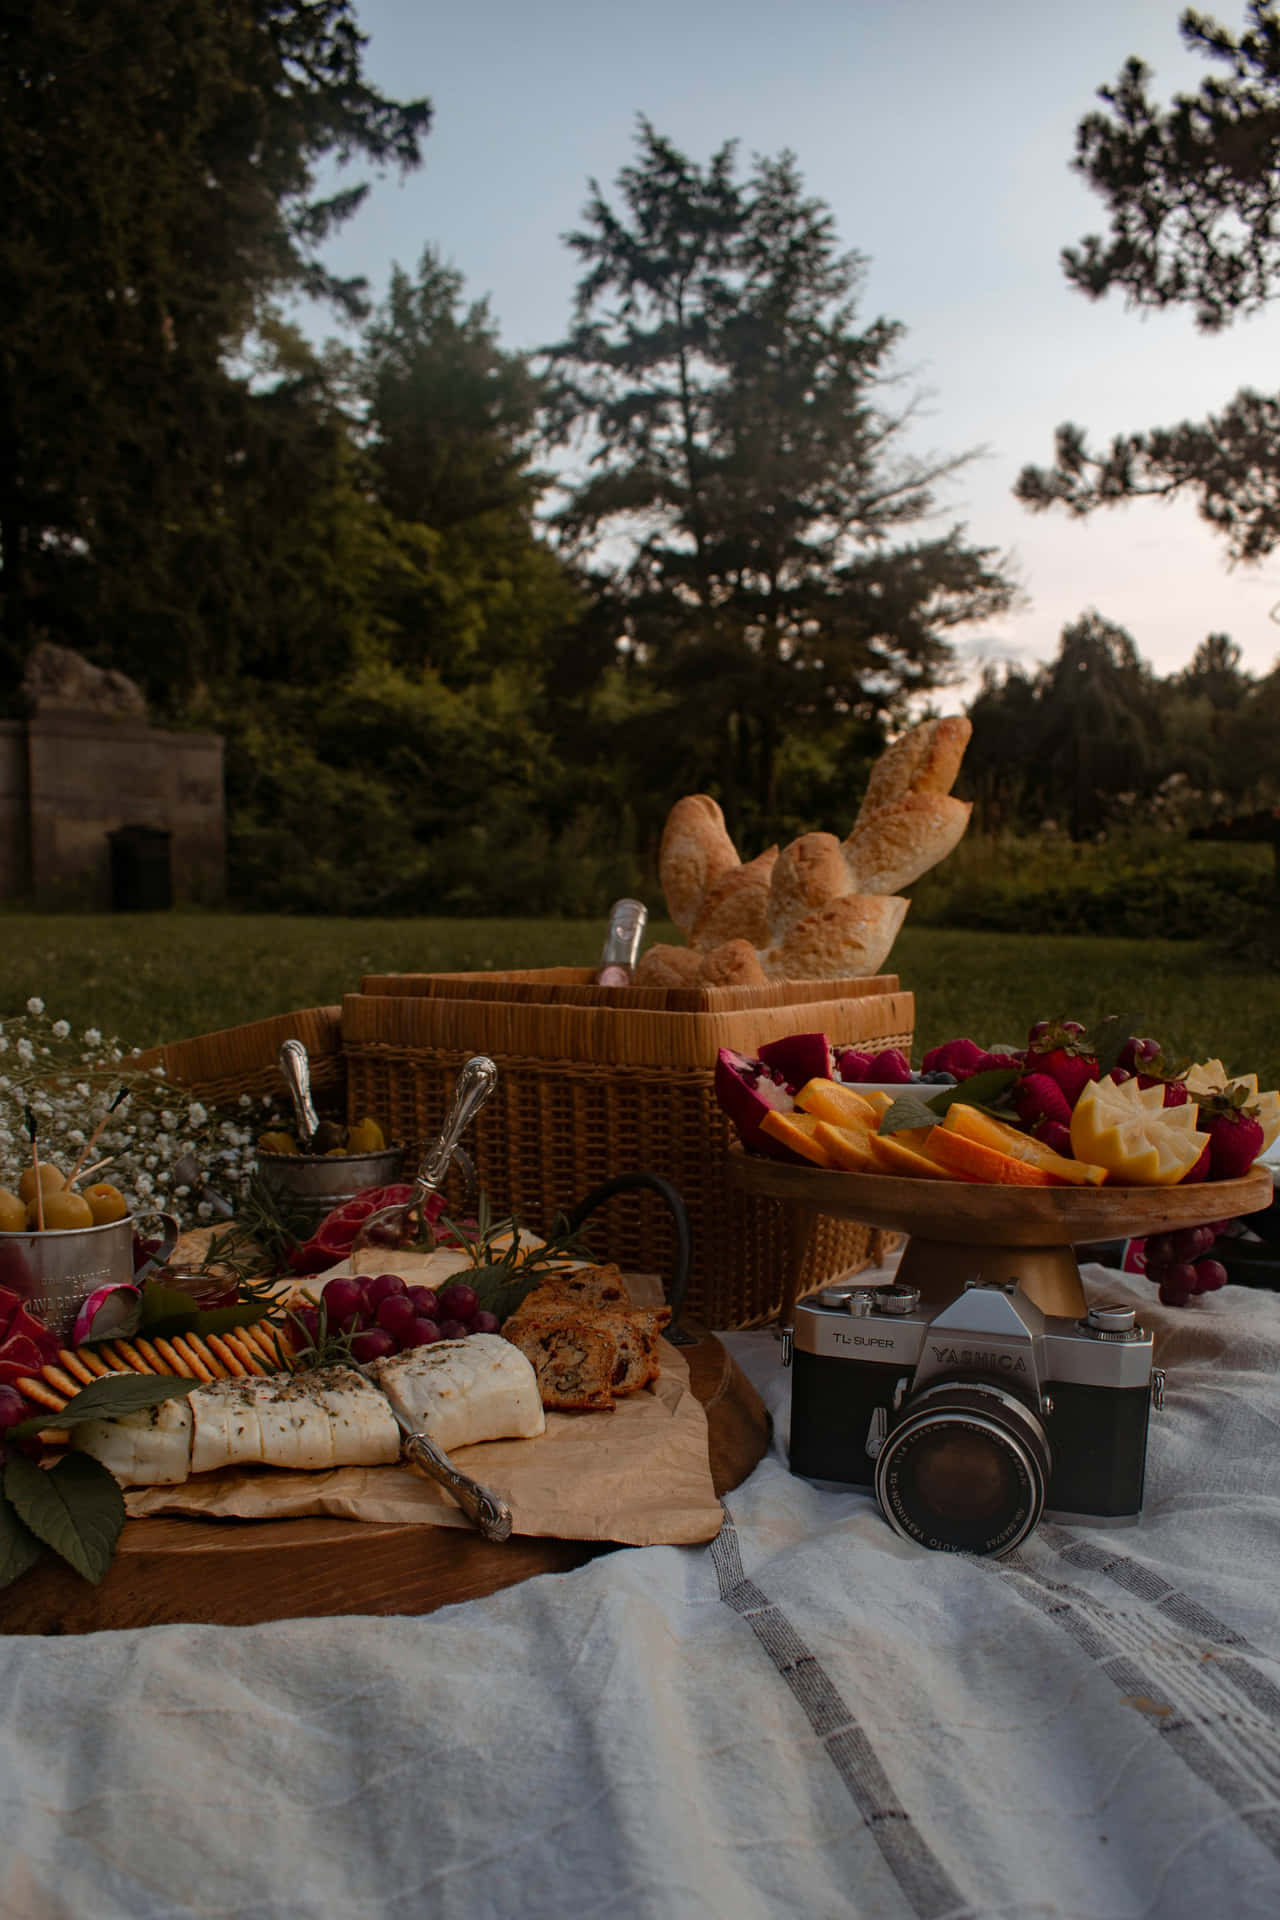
[(964, 1470)]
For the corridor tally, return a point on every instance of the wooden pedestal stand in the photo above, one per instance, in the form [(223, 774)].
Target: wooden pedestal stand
[(960, 1232)]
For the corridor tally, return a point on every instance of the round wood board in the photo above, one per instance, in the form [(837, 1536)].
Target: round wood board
[(980, 1215), (237, 1573)]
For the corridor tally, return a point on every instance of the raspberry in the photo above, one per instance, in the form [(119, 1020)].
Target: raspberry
[(1039, 1097)]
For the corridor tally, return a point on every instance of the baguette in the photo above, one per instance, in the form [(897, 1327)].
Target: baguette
[(926, 760), (696, 853), (811, 872), (736, 907), (892, 846), (848, 938)]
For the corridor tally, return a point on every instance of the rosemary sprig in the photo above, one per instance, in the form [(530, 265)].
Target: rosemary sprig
[(330, 1347), (504, 1276), (258, 1237)]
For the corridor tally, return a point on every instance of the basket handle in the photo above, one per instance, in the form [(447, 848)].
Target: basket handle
[(654, 1183)]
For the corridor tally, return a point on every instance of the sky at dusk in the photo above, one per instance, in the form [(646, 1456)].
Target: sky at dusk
[(940, 135)]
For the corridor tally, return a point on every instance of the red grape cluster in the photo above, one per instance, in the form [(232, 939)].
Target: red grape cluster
[(384, 1315), (1176, 1262)]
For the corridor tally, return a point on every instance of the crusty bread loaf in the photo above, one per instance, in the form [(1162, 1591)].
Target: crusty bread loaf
[(820, 908), (574, 1363), (667, 966), (737, 906), (736, 963), (926, 760), (847, 939), (696, 853), (894, 845), (810, 872)]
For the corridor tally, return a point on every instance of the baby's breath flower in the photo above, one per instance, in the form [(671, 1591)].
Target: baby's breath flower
[(204, 1211), (60, 1030), (26, 1052), (77, 1136), (92, 1037), (197, 1115), (4, 1044), (35, 1004), (246, 1100)]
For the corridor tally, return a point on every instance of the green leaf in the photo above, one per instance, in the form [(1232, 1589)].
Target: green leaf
[(19, 1548), (908, 1110), (979, 1090), (76, 1508), (107, 1399), (166, 1311), (1108, 1040)]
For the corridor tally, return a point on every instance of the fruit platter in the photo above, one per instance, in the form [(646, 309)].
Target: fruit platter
[(1000, 1163)]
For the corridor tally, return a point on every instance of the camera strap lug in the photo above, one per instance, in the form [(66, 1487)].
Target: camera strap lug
[(788, 1343), (1157, 1388), (877, 1432)]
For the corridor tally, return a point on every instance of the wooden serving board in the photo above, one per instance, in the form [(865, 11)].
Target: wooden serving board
[(238, 1573)]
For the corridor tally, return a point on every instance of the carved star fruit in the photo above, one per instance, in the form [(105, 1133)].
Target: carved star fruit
[(1127, 1129)]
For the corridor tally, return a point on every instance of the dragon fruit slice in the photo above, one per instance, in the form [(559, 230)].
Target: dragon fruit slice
[(798, 1058), (747, 1090)]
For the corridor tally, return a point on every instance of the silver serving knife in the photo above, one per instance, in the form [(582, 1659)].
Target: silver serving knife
[(397, 1226), (488, 1510)]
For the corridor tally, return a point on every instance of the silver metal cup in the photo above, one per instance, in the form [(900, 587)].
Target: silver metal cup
[(55, 1272), (305, 1188)]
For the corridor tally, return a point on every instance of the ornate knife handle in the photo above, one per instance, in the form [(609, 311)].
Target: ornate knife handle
[(474, 1084), (488, 1510), (295, 1071)]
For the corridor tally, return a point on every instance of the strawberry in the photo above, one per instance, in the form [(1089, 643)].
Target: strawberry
[(1235, 1133), (1039, 1097), (890, 1066), (1058, 1048), (1200, 1171)]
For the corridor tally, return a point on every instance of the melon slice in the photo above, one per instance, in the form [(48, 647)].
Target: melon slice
[(798, 1132), (972, 1161), (829, 1100), (847, 1147), (1001, 1138)]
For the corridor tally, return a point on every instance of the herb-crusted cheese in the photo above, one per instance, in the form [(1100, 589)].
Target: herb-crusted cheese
[(460, 1392)]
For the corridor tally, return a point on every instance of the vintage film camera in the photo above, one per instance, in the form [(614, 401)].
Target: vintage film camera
[(972, 1419)]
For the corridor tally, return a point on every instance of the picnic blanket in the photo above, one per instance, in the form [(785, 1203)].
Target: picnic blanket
[(808, 1717)]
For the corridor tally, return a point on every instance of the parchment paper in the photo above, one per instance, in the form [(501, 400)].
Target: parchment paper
[(640, 1475)]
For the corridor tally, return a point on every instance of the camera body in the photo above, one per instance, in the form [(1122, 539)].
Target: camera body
[(971, 1420)]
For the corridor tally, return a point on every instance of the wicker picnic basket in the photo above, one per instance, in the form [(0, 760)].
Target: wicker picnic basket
[(218, 1067), (599, 1081)]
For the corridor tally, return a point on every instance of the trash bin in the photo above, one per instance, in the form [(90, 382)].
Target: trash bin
[(141, 877)]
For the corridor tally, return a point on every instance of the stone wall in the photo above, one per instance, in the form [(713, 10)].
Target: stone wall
[(68, 779)]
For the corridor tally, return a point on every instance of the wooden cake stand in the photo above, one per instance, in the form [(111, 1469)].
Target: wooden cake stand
[(959, 1231), (238, 1572)]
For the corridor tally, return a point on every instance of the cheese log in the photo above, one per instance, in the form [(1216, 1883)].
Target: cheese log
[(925, 760), (226, 1431), (848, 939), (736, 907), (893, 845), (460, 1392), (147, 1449), (696, 852)]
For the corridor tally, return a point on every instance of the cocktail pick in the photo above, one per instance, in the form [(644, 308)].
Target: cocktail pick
[(92, 1141), (30, 1119), (397, 1227)]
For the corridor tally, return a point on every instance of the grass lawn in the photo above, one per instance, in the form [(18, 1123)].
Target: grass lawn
[(154, 977)]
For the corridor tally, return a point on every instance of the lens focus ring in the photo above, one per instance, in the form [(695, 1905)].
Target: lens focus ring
[(964, 1470)]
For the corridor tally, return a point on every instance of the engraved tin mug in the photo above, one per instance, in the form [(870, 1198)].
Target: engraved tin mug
[(56, 1271)]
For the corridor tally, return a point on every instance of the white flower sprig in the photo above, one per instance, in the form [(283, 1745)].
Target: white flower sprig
[(74, 1085)]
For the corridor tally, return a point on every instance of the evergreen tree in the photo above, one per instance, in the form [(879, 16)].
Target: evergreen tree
[(744, 466), (157, 172), (1191, 192)]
